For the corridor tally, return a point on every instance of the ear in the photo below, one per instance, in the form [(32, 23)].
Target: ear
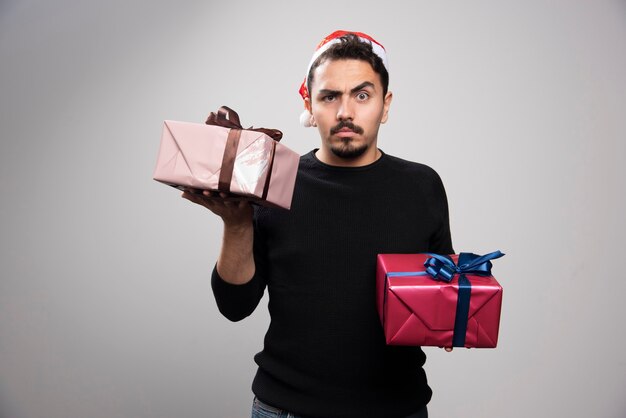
[(386, 104), (307, 106)]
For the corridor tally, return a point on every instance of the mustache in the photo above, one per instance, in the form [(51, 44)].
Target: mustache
[(346, 124)]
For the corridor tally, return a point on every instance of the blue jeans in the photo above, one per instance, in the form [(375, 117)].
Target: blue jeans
[(263, 410)]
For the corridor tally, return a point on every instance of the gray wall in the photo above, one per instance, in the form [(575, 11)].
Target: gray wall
[(105, 304)]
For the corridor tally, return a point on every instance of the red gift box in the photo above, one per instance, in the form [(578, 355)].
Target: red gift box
[(419, 307)]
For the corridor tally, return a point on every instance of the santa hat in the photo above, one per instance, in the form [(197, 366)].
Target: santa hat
[(333, 38)]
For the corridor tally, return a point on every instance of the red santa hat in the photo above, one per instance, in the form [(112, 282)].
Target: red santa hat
[(333, 38)]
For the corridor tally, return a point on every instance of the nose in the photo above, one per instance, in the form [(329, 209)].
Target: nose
[(345, 111)]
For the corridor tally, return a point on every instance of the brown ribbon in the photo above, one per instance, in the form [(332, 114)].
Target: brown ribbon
[(228, 160), (228, 118)]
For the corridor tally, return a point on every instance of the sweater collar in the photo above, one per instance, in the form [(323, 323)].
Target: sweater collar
[(311, 155)]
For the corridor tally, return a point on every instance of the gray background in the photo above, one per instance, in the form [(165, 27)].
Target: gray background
[(105, 304)]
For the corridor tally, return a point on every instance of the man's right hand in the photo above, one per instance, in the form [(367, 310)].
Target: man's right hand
[(234, 212)]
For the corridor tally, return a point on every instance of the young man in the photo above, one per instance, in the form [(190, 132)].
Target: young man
[(325, 353)]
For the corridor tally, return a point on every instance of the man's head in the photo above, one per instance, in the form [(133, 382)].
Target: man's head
[(346, 96), (350, 45)]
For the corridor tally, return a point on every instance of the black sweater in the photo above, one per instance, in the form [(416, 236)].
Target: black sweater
[(324, 353)]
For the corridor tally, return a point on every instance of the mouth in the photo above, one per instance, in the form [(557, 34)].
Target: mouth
[(343, 132)]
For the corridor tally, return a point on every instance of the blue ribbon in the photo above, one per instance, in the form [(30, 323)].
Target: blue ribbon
[(441, 267)]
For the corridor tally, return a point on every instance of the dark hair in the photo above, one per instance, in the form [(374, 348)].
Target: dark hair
[(351, 47)]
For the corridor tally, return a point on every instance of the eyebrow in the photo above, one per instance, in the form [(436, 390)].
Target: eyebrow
[(362, 86), (353, 90)]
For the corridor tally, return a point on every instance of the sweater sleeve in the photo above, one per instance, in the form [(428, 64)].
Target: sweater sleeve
[(238, 301), (441, 240)]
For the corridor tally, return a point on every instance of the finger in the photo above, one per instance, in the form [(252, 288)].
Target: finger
[(197, 198), (448, 349), (211, 193), (191, 197)]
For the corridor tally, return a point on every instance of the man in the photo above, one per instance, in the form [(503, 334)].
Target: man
[(325, 353)]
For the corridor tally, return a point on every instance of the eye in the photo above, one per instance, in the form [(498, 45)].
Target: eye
[(329, 98), (362, 96)]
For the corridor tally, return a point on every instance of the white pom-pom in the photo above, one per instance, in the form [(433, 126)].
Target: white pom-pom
[(305, 119)]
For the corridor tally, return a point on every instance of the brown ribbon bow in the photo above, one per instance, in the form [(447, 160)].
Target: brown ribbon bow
[(228, 118)]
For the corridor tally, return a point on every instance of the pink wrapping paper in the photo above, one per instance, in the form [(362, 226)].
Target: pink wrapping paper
[(420, 311), (191, 155)]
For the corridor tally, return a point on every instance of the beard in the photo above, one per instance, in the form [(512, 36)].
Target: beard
[(347, 150)]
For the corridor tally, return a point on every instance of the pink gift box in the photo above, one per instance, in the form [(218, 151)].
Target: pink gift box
[(246, 163), (415, 309)]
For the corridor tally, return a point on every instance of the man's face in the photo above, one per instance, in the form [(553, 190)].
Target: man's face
[(348, 107)]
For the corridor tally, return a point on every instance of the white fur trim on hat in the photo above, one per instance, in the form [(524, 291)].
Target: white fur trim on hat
[(305, 119)]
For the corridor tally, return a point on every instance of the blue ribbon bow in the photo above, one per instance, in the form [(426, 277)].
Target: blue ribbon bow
[(443, 268)]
